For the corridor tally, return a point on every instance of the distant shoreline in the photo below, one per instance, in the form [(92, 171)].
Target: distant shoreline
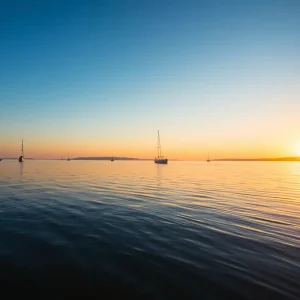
[(116, 158), (105, 158), (259, 159)]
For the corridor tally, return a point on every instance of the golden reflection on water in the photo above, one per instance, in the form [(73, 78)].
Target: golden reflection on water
[(262, 178)]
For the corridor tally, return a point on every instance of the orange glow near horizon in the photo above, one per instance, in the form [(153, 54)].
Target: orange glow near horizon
[(178, 143), (147, 150)]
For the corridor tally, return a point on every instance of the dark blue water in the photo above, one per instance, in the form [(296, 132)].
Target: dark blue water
[(187, 230)]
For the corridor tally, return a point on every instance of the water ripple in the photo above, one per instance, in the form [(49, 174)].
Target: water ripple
[(185, 230)]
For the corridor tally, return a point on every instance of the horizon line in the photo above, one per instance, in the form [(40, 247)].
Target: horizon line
[(288, 158)]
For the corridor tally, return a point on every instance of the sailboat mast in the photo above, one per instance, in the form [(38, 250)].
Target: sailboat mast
[(22, 149), (158, 146)]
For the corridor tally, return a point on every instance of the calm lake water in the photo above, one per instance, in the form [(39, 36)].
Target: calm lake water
[(186, 230)]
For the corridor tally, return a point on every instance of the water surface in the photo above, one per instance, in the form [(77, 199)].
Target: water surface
[(187, 230)]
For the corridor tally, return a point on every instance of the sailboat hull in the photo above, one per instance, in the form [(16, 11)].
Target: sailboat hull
[(161, 160), (21, 158)]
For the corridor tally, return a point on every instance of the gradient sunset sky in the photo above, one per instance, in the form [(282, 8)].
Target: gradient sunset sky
[(99, 78)]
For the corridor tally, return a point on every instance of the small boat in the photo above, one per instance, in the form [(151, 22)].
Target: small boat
[(112, 159), (21, 158), (68, 157), (0, 159), (159, 159), (208, 158)]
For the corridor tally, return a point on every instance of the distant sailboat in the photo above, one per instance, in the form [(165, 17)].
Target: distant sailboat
[(21, 158), (68, 157), (112, 159), (208, 158), (160, 159)]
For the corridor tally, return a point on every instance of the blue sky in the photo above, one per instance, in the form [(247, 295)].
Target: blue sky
[(206, 73)]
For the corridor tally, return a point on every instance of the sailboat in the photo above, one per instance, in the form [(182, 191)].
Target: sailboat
[(68, 157), (112, 159), (160, 159), (208, 158), (21, 158)]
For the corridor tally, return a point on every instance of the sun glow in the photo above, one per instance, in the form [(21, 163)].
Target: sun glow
[(297, 149)]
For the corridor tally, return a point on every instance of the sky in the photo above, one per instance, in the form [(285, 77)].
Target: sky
[(99, 78)]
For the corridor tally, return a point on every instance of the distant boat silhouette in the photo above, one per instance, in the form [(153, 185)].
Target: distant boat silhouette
[(68, 157), (112, 159), (160, 159), (208, 158), (21, 158)]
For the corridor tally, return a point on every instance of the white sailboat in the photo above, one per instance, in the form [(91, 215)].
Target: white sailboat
[(160, 159), (21, 158)]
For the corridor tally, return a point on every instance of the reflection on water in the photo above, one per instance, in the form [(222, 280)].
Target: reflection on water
[(182, 230), (21, 168)]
